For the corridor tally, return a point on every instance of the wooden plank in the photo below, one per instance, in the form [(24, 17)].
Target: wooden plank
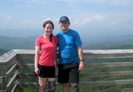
[(109, 64), (98, 56), (11, 82), (108, 51), (107, 83), (90, 75), (29, 76), (32, 85), (26, 56), (2, 82), (25, 53), (121, 53), (14, 89), (113, 90), (30, 66), (95, 65), (28, 85), (10, 72), (106, 74), (7, 56)]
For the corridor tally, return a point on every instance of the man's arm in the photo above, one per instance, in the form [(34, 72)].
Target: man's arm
[(81, 59)]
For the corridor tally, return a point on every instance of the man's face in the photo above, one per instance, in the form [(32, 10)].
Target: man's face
[(64, 25)]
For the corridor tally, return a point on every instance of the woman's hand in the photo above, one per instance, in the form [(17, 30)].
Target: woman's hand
[(37, 71)]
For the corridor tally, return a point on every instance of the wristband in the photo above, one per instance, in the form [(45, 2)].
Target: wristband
[(82, 60)]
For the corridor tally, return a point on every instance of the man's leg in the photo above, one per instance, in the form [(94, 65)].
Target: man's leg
[(51, 86), (75, 87), (74, 78), (63, 78), (65, 87)]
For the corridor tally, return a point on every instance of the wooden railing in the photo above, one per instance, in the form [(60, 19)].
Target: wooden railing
[(16, 71)]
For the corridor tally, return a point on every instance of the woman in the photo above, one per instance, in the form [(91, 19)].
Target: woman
[(45, 57)]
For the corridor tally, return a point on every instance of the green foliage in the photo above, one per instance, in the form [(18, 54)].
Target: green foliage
[(109, 46), (106, 69), (30, 90), (93, 70), (2, 51), (107, 87), (108, 60)]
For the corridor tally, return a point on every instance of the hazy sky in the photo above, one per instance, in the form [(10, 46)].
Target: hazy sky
[(86, 16)]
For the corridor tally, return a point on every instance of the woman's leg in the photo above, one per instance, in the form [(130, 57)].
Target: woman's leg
[(42, 83)]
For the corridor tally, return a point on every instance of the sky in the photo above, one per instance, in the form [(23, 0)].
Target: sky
[(94, 17)]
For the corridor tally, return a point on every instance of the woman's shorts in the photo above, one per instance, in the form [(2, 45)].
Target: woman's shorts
[(46, 71), (68, 73)]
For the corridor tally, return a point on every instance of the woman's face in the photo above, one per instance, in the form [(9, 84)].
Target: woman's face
[(48, 29)]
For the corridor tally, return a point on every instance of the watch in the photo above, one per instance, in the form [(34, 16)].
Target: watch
[(81, 60)]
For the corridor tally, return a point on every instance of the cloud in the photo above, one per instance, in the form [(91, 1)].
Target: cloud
[(81, 12), (32, 2), (47, 19), (8, 18), (122, 2), (113, 23), (99, 18), (75, 22), (86, 20), (112, 2), (29, 3), (28, 21), (81, 21)]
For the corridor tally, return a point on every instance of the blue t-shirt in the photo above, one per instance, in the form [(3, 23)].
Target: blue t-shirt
[(68, 43)]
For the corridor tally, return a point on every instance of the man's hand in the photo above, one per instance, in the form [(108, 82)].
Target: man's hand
[(81, 65)]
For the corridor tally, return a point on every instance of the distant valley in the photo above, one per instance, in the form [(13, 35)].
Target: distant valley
[(8, 43), (89, 42)]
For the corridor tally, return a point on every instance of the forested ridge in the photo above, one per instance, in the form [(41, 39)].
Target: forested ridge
[(106, 46), (89, 47), (2, 51)]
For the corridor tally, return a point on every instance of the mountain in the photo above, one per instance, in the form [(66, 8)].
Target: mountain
[(3, 51), (109, 45), (8, 43), (107, 40), (89, 42)]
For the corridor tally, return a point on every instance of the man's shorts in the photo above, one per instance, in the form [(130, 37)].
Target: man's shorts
[(68, 73), (46, 71)]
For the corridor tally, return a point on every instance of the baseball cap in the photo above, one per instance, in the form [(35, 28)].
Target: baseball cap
[(64, 18)]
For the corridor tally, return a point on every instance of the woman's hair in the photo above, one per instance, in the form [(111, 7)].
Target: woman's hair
[(49, 22)]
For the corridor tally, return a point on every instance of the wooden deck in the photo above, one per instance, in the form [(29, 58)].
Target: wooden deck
[(16, 70)]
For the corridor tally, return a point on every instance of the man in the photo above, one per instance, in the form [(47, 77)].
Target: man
[(70, 56)]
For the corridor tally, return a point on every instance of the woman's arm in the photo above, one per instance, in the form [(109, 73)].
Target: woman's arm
[(55, 60), (37, 52)]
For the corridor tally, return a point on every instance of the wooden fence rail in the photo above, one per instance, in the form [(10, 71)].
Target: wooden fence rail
[(16, 70)]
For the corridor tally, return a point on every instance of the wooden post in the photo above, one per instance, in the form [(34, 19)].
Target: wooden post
[(1, 83), (19, 61), (3, 70)]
